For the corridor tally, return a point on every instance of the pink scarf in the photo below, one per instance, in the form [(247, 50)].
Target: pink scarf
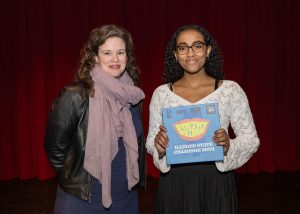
[(109, 119)]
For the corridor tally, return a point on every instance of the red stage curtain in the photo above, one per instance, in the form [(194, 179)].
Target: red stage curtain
[(40, 43)]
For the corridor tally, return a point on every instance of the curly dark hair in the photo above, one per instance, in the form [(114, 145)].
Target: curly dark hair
[(213, 65), (97, 37)]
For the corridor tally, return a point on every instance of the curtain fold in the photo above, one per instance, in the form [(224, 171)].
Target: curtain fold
[(40, 44)]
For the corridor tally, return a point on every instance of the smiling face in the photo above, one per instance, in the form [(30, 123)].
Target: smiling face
[(193, 61), (112, 57)]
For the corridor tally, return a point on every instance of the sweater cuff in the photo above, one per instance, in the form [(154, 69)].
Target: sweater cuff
[(161, 163)]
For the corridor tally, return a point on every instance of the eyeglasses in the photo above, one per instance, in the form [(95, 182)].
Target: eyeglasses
[(196, 47)]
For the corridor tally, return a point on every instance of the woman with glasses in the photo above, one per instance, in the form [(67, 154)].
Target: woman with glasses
[(193, 75)]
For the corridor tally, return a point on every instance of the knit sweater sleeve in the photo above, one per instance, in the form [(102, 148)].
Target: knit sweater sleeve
[(155, 121), (246, 142)]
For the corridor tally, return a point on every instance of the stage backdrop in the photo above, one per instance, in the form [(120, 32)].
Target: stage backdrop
[(41, 40)]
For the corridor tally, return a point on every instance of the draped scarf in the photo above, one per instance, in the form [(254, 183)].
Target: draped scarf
[(109, 119)]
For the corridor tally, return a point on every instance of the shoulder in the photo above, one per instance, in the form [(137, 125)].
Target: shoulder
[(160, 92), (161, 89), (73, 95), (230, 85), (76, 90), (233, 91)]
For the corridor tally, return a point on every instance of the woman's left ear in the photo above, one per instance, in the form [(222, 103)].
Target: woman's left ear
[(208, 51)]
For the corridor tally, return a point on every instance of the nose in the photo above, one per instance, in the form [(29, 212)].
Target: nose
[(115, 57)]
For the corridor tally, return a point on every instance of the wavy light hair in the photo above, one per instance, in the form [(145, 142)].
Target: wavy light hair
[(97, 37)]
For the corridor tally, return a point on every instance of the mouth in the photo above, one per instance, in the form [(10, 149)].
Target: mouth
[(114, 66), (191, 61)]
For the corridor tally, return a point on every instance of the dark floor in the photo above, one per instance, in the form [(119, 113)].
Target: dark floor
[(277, 193)]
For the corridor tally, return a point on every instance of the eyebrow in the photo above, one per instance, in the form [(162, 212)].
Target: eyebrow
[(184, 43), (116, 50)]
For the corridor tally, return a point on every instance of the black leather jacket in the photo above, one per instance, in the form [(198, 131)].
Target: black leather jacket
[(65, 139)]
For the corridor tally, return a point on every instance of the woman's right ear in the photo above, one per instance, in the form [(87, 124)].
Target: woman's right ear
[(96, 59), (175, 55)]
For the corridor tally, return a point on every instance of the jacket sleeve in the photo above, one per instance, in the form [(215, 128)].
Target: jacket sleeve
[(59, 130)]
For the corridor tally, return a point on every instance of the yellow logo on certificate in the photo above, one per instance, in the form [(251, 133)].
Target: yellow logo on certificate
[(191, 129)]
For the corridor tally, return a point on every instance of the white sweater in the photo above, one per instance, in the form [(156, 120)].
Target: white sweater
[(234, 109)]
